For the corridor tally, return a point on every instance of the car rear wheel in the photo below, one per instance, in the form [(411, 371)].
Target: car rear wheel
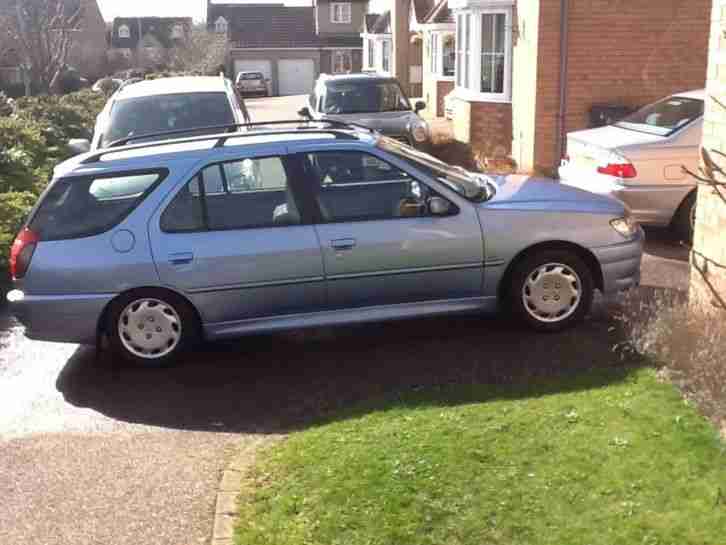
[(684, 221), (150, 328), (551, 290)]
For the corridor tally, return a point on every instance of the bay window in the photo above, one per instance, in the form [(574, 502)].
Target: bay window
[(484, 58), (371, 54)]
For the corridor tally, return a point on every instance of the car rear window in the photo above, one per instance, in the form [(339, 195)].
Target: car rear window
[(162, 113), (81, 207), (665, 117), (252, 75)]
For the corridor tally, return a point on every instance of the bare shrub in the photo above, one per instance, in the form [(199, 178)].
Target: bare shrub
[(686, 342)]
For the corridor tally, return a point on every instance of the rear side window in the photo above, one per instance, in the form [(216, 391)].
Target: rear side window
[(245, 194), (81, 207)]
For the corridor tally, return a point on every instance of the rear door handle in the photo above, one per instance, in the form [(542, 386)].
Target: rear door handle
[(181, 258), (343, 244)]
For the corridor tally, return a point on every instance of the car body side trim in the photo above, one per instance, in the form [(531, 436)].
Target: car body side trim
[(223, 330), (252, 285), (406, 271)]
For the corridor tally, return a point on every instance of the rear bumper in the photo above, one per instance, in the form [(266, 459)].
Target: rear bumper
[(620, 264), (649, 204), (59, 318)]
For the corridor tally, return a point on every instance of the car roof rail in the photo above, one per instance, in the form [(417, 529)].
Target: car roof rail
[(335, 128), (304, 122)]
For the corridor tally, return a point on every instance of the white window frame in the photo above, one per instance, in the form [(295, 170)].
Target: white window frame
[(124, 31), (340, 12), (469, 60), (221, 25), (436, 54), (340, 55), (386, 69), (177, 32), (371, 53)]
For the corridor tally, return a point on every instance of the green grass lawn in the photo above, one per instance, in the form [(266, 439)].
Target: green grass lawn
[(609, 457)]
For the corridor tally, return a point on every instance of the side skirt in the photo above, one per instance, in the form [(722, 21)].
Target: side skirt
[(225, 330)]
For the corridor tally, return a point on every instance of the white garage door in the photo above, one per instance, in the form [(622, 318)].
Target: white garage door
[(297, 76), (253, 65)]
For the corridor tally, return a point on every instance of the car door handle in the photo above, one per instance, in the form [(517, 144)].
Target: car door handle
[(343, 244), (181, 258)]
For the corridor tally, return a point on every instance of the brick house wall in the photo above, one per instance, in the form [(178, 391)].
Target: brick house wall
[(708, 261)]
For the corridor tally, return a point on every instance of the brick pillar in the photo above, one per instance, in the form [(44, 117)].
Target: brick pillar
[(400, 14), (708, 261)]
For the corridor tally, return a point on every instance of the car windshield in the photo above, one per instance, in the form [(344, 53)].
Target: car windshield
[(475, 187), (356, 97), (664, 117), (161, 113)]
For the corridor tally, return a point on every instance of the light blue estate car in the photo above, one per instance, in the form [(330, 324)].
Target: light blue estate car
[(156, 245)]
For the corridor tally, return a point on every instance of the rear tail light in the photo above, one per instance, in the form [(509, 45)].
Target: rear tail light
[(619, 170), (21, 252)]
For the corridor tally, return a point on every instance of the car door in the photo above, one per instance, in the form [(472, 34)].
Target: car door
[(380, 243), (234, 240)]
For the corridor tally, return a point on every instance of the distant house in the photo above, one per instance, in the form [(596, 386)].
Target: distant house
[(145, 42), (378, 44), (291, 46), (439, 59), (87, 53)]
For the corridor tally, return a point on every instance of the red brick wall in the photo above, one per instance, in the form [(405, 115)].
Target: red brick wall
[(633, 52), (491, 129), (443, 88)]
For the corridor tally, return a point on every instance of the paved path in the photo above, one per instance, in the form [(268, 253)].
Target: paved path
[(92, 455)]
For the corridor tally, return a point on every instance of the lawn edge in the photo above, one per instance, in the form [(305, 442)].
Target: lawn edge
[(226, 506)]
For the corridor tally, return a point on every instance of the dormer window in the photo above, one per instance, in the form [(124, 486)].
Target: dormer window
[(220, 25), (177, 32), (340, 12), (124, 31)]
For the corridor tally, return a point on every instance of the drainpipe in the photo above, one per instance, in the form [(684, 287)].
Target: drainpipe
[(564, 46)]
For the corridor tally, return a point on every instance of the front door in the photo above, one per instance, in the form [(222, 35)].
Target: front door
[(380, 243), (233, 240)]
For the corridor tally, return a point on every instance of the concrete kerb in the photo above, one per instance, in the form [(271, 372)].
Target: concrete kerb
[(225, 509)]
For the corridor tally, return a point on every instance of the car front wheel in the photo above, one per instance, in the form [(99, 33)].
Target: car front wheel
[(150, 328), (551, 290)]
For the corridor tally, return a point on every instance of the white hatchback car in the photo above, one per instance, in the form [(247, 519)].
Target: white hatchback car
[(640, 161)]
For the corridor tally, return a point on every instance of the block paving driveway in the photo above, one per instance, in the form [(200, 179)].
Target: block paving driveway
[(91, 454)]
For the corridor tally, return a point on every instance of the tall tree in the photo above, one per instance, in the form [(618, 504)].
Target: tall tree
[(44, 32), (202, 51)]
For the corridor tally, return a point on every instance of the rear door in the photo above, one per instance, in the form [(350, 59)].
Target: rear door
[(380, 244), (234, 240)]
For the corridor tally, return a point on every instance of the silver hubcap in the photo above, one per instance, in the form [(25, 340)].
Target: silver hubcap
[(149, 328), (552, 292)]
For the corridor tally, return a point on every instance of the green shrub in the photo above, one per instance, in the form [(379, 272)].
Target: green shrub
[(14, 208), (25, 157)]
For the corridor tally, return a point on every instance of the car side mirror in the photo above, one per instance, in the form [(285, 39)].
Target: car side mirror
[(79, 145), (439, 206), (420, 105), (305, 112)]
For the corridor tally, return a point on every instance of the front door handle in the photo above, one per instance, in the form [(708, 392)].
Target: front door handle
[(181, 258), (343, 244)]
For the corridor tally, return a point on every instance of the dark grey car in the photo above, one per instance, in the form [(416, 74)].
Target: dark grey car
[(374, 101)]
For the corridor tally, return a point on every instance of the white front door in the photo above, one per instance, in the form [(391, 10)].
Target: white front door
[(297, 76)]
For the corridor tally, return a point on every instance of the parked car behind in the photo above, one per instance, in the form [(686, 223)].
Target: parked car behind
[(252, 83), (166, 104), (158, 244), (640, 161), (371, 100)]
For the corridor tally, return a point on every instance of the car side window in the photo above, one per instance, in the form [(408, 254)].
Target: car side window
[(356, 186), (245, 194)]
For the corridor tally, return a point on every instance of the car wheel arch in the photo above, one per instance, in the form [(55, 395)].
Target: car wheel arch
[(583, 253), (103, 319)]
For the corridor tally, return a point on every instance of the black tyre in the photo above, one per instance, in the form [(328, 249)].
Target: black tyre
[(551, 290), (151, 328), (684, 221)]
